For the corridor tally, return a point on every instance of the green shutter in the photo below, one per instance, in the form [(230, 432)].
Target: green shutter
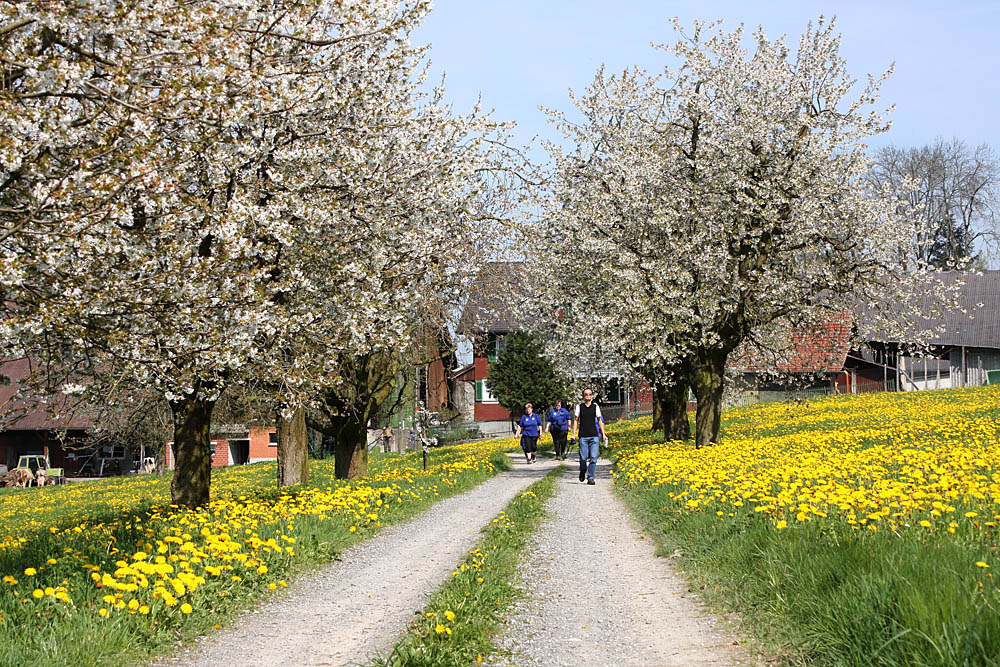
[(479, 390)]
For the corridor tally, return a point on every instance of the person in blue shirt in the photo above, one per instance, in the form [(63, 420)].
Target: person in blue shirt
[(528, 429), (557, 424)]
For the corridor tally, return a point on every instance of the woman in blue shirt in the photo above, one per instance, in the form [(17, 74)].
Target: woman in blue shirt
[(528, 428), (558, 425)]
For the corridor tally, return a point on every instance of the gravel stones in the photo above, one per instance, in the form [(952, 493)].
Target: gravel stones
[(596, 594), (344, 612)]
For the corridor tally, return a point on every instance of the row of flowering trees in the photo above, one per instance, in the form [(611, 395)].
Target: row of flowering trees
[(702, 213), (200, 195)]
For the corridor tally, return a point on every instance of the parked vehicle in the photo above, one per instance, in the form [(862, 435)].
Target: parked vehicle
[(36, 462)]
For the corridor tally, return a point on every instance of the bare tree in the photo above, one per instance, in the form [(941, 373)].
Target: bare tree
[(953, 188)]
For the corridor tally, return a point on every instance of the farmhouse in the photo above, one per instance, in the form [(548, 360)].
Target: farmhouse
[(487, 319), (49, 429), (966, 341), (962, 351)]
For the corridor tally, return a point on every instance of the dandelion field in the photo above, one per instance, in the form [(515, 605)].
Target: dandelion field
[(107, 572), (857, 530)]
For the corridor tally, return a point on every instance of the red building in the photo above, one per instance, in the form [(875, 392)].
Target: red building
[(236, 444)]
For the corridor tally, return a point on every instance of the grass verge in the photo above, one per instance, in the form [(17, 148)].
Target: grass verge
[(812, 595), (460, 622), (849, 530)]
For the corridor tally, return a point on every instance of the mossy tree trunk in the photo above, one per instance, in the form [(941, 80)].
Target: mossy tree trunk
[(707, 379), (350, 454), (670, 401), (347, 409), (293, 449), (192, 416)]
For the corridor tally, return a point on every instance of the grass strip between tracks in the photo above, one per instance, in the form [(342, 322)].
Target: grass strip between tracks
[(459, 624)]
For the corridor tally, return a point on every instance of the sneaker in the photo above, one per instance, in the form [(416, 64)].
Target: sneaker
[(583, 475), (591, 481)]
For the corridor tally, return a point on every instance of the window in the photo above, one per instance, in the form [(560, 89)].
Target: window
[(613, 392), (483, 394), (272, 439), (495, 344)]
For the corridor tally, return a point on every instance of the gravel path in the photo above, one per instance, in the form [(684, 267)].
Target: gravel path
[(346, 611), (597, 594)]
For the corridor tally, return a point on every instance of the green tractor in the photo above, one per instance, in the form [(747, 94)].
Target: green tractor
[(36, 462)]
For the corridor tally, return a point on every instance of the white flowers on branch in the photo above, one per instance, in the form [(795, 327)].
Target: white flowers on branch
[(700, 209), (196, 193)]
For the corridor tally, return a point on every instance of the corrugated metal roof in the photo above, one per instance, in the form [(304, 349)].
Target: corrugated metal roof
[(17, 414), (979, 326), (976, 323)]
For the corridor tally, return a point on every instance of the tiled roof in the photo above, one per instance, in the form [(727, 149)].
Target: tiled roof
[(490, 306), (19, 415), (813, 349)]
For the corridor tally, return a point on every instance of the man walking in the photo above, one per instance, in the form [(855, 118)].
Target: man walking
[(588, 425), (557, 424)]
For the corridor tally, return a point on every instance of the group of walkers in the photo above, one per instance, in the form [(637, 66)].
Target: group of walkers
[(586, 427)]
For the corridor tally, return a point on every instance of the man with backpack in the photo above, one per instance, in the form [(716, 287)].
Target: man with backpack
[(557, 424), (588, 425)]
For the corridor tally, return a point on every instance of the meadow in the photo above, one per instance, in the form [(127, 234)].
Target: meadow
[(108, 572), (850, 530)]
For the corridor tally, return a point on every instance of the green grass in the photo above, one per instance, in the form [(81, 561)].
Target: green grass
[(460, 622), (832, 596), (829, 593), (115, 517)]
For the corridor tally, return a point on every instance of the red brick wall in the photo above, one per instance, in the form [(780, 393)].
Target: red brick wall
[(260, 444), (221, 457), (260, 448)]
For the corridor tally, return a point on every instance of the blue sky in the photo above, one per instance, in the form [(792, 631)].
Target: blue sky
[(519, 54)]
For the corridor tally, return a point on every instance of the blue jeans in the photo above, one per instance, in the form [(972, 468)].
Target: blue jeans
[(589, 449)]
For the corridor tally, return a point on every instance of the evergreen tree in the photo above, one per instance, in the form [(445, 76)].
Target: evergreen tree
[(522, 374)]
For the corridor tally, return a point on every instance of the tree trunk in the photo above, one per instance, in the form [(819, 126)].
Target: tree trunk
[(346, 411), (671, 401), (293, 449), (192, 451), (707, 377), (657, 409), (350, 454)]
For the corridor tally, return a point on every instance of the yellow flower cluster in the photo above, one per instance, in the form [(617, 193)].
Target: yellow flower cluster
[(119, 558), (925, 461)]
